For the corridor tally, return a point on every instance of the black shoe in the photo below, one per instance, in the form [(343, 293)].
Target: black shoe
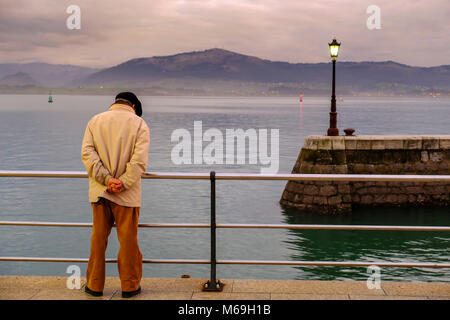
[(93, 293), (129, 294)]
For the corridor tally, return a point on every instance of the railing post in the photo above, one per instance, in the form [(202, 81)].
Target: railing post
[(213, 284)]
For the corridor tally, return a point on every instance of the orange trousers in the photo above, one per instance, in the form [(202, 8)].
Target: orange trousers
[(105, 213)]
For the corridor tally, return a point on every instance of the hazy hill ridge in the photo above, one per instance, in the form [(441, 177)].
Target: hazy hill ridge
[(18, 79), (219, 64), (219, 71), (47, 74)]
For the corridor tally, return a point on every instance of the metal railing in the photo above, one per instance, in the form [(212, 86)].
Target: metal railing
[(214, 284)]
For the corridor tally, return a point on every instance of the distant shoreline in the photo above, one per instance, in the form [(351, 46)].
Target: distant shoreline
[(153, 92)]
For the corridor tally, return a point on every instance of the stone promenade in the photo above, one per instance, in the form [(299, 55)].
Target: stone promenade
[(54, 288)]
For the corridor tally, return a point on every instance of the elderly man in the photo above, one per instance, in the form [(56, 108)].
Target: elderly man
[(115, 154)]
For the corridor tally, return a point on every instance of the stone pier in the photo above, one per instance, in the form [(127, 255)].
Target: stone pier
[(370, 154)]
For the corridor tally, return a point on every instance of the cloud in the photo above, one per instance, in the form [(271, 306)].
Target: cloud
[(413, 32)]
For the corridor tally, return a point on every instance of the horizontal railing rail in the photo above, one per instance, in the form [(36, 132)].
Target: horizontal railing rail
[(87, 224), (250, 262), (239, 176), (240, 226), (213, 284)]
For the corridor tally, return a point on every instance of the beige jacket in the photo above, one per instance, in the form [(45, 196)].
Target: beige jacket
[(115, 145)]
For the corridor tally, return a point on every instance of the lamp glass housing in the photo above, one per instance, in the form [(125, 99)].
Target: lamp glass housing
[(334, 49)]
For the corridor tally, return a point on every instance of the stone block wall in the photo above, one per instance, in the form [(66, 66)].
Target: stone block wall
[(402, 154)]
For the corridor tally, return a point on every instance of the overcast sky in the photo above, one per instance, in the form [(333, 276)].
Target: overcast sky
[(414, 32)]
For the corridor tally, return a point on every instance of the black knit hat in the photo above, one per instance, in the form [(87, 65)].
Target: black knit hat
[(131, 97)]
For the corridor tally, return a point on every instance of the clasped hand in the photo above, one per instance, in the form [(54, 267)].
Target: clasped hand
[(115, 185)]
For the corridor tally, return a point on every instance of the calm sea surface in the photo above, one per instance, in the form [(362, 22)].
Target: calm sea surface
[(35, 135)]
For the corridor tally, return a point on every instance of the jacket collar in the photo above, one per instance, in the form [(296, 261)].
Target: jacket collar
[(123, 107)]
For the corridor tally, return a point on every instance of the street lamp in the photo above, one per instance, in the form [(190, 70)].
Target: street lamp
[(334, 51)]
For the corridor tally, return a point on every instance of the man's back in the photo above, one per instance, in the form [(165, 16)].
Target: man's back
[(115, 145)]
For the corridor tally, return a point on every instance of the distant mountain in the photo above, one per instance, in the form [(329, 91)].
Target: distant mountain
[(213, 67), (223, 72), (19, 79), (53, 75)]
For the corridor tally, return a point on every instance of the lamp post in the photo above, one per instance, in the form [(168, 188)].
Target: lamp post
[(334, 51)]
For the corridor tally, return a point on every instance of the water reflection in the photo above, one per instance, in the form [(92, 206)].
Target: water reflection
[(368, 246)]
